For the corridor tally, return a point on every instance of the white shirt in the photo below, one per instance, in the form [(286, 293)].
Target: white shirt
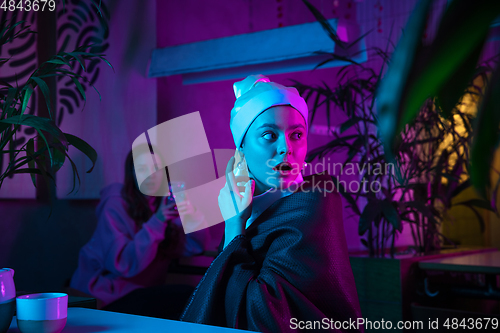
[(262, 201)]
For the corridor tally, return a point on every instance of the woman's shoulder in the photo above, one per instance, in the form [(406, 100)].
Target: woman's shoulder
[(111, 199), (111, 190), (315, 190)]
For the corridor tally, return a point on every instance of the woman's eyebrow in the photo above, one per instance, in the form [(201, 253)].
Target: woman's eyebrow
[(297, 126), (268, 125)]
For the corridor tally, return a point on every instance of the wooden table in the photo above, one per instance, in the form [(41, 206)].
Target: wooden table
[(81, 320)]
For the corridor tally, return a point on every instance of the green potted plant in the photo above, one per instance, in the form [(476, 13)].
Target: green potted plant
[(428, 166), (45, 153), (443, 70)]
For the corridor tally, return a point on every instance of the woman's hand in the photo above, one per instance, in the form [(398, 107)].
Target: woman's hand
[(166, 211), (236, 208), (185, 208)]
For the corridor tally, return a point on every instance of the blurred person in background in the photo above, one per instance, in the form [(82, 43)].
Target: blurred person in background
[(125, 263)]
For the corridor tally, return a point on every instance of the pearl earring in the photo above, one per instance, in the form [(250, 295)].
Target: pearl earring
[(305, 164)]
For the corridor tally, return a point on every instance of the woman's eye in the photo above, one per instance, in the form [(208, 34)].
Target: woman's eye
[(297, 135), (269, 136)]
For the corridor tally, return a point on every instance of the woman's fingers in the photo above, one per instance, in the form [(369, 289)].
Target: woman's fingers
[(235, 197), (185, 207), (249, 189), (230, 180), (167, 207), (169, 215), (230, 165), (170, 205)]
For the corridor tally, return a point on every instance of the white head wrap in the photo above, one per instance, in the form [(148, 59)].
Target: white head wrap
[(254, 95)]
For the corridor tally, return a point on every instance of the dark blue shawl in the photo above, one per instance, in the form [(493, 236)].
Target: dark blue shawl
[(291, 263)]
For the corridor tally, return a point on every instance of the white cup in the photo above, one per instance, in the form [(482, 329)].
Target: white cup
[(44, 312)]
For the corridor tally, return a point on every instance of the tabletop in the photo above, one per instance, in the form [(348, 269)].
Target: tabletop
[(82, 320), (486, 263)]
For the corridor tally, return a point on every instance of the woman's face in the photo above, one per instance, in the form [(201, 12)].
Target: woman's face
[(277, 135), (145, 169)]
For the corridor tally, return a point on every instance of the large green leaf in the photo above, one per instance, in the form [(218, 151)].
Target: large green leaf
[(26, 99), (462, 30), (325, 24), (79, 87), (9, 109), (486, 136), (75, 174), (58, 62), (45, 91), (84, 147), (39, 123), (58, 157), (421, 208), (391, 215), (370, 212), (30, 152), (47, 145), (451, 92), (411, 81), (390, 93)]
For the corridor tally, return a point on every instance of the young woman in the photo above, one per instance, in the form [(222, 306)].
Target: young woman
[(283, 263), (125, 263)]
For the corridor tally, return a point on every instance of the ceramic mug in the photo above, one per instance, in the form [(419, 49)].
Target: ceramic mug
[(7, 298), (42, 313)]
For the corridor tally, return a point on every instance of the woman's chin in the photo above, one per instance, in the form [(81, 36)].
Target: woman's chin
[(151, 190)]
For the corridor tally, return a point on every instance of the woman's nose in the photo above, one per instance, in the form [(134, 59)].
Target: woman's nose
[(285, 148)]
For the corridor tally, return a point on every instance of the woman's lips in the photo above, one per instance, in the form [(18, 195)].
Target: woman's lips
[(284, 168)]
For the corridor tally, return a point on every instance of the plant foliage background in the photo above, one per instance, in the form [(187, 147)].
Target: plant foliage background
[(410, 113)]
